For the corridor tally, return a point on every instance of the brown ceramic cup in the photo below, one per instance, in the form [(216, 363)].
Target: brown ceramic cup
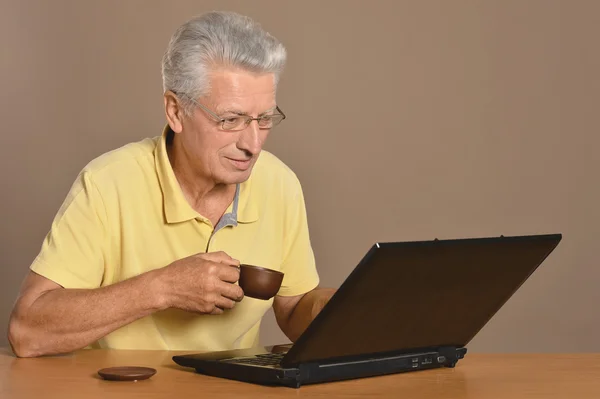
[(259, 282)]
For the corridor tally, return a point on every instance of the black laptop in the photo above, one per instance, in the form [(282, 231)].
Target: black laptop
[(407, 306)]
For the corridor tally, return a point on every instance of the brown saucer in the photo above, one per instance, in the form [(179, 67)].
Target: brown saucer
[(128, 373)]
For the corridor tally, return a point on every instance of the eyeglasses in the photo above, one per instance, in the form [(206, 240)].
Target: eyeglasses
[(268, 120)]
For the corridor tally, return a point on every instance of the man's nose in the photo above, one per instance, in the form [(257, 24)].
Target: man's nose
[(251, 139)]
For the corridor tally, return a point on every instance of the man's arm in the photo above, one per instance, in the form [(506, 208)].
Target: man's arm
[(295, 313), (49, 319)]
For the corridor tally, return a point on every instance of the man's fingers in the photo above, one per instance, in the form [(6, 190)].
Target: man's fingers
[(224, 303), (221, 257), (232, 291), (229, 273), (216, 311)]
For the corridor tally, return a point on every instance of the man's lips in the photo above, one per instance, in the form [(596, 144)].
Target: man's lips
[(241, 164)]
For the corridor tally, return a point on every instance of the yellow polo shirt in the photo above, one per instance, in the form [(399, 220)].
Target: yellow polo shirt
[(126, 214)]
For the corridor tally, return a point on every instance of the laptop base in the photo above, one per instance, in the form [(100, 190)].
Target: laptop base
[(231, 366)]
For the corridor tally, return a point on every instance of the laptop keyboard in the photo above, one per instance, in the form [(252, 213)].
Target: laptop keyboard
[(264, 360)]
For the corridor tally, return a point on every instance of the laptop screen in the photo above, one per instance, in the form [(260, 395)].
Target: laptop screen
[(416, 295)]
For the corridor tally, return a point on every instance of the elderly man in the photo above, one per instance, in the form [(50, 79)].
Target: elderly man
[(143, 253)]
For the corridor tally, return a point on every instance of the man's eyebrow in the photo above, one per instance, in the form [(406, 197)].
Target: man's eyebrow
[(242, 113), (234, 111), (269, 110)]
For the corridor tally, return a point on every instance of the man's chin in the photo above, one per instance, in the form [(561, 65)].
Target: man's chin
[(237, 177)]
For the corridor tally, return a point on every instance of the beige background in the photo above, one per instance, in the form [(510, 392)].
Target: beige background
[(407, 120)]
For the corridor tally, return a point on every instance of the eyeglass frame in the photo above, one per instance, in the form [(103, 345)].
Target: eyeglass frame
[(248, 118)]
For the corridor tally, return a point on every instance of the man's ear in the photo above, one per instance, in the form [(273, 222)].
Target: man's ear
[(173, 111)]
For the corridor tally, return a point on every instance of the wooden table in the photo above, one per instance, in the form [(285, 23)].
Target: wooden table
[(481, 376)]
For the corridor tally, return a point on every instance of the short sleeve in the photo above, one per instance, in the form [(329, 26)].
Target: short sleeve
[(73, 252), (300, 273)]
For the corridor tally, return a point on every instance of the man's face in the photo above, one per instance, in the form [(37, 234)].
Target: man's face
[(227, 157)]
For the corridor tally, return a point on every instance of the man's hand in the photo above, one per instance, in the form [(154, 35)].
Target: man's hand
[(201, 283)]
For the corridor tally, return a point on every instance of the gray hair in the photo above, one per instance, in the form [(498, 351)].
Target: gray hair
[(217, 39)]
